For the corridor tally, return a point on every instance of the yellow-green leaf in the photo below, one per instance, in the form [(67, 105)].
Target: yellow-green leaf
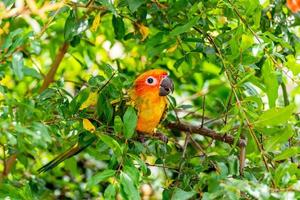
[(112, 143), (271, 82), (279, 138), (287, 153), (96, 22), (275, 116), (87, 125), (99, 177), (91, 100), (130, 120)]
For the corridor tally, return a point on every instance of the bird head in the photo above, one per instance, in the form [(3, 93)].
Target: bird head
[(155, 81)]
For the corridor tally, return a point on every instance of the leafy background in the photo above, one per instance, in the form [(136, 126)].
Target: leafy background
[(235, 64)]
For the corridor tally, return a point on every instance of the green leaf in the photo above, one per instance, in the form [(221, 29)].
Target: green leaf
[(155, 40), (110, 193), (109, 5), (211, 68), (42, 131), (78, 100), (104, 106), (134, 4), (2, 89), (74, 27), (181, 29), (130, 120), (293, 65), (167, 193), (180, 194), (247, 41), (290, 152), (71, 165), (118, 124), (279, 40), (140, 162), (178, 62), (275, 116), (8, 190), (18, 64), (155, 50), (99, 177), (8, 3), (10, 39), (119, 27), (70, 24), (96, 81), (279, 138), (32, 72), (75, 41), (271, 82), (112, 143), (129, 190), (132, 172), (108, 69)]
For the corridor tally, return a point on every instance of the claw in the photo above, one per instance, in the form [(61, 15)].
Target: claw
[(161, 137), (141, 138)]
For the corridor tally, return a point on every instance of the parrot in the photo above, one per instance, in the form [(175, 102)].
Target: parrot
[(293, 5), (149, 97)]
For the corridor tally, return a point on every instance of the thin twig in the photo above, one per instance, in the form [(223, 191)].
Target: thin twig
[(203, 111), (88, 6), (47, 24), (187, 139), (198, 146), (108, 81), (259, 41), (227, 108), (173, 108), (251, 131), (192, 129), (162, 166), (286, 103)]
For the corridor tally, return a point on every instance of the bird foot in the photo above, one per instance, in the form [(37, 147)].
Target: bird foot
[(141, 138), (161, 137)]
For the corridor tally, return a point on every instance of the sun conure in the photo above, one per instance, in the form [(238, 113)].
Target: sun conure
[(148, 95)]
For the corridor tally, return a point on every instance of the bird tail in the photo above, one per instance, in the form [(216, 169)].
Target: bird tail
[(75, 149)]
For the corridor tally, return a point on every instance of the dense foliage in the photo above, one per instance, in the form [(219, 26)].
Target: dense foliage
[(65, 67)]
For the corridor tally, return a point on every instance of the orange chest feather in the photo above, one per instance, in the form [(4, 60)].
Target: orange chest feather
[(150, 109)]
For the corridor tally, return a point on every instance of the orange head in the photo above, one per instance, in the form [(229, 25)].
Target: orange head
[(155, 81)]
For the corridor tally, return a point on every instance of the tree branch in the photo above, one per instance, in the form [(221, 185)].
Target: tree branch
[(206, 132), (50, 76), (8, 164), (189, 128), (242, 158)]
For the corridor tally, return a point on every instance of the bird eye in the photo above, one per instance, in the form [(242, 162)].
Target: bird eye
[(151, 80)]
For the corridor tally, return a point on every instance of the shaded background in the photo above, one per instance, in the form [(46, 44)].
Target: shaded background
[(235, 64)]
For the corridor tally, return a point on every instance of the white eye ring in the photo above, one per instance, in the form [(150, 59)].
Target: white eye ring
[(151, 80)]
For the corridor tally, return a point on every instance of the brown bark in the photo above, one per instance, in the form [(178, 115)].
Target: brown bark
[(50, 76), (206, 132)]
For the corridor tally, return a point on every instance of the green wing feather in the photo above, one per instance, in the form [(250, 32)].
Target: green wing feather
[(85, 140)]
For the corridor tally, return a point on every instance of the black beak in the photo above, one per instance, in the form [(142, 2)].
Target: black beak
[(166, 87)]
